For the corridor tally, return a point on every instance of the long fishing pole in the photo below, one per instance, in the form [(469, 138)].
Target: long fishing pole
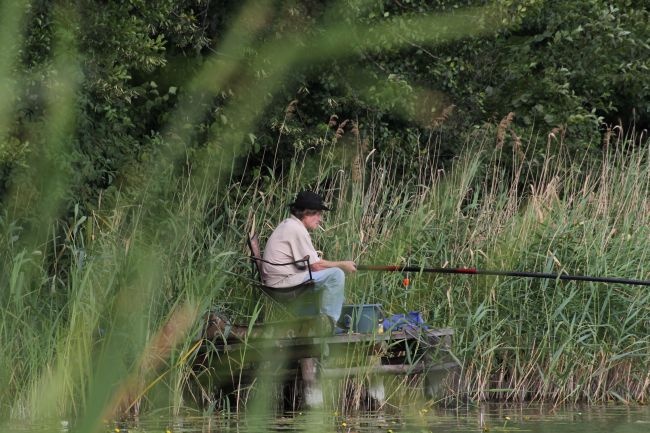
[(474, 271)]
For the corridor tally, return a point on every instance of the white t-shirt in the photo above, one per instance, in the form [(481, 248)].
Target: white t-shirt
[(290, 241)]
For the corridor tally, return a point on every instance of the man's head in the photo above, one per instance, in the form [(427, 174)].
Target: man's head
[(308, 208)]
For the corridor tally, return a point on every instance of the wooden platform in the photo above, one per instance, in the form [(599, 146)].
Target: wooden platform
[(296, 352)]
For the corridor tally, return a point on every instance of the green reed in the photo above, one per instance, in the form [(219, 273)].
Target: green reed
[(118, 332), (517, 339)]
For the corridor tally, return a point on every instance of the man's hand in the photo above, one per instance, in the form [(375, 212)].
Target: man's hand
[(347, 266)]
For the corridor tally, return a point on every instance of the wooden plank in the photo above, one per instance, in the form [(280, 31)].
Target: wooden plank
[(339, 373), (396, 369), (401, 350), (279, 343)]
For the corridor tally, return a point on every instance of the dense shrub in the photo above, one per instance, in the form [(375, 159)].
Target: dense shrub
[(554, 64)]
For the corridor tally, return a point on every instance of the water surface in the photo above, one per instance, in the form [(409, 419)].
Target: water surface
[(487, 418)]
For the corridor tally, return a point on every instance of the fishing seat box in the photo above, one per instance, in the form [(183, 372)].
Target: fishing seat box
[(361, 318)]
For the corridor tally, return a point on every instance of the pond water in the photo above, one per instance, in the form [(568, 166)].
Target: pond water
[(487, 418)]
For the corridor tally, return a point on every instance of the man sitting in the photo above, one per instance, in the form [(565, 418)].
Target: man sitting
[(290, 241)]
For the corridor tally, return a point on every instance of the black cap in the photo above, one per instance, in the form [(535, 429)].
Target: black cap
[(309, 200)]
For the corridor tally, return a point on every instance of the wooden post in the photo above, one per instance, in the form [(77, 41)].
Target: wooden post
[(311, 387), (438, 365), (376, 391)]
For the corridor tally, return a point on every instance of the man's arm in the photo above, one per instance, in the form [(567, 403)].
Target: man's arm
[(346, 265)]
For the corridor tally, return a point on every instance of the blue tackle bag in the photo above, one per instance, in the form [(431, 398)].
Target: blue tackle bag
[(401, 322)]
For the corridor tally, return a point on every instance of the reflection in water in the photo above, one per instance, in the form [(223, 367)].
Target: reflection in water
[(494, 417), (503, 418)]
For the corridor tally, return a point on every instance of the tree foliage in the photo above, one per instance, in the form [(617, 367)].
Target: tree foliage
[(572, 65)]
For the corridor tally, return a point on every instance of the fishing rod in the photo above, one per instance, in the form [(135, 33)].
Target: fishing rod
[(474, 271)]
